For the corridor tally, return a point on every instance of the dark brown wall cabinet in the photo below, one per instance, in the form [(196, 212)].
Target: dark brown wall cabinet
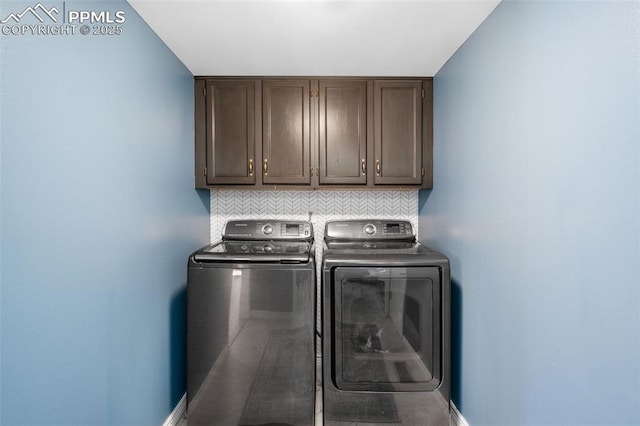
[(230, 132), (342, 118), (286, 142), (296, 133), (397, 118)]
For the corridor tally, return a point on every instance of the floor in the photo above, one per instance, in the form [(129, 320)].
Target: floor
[(318, 392)]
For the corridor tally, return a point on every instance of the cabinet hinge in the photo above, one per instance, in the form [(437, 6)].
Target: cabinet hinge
[(423, 171), (204, 91), (205, 172), (423, 93)]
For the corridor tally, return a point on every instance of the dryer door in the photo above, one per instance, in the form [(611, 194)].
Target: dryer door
[(386, 326)]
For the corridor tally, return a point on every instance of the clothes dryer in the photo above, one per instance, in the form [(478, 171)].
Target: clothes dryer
[(386, 326)]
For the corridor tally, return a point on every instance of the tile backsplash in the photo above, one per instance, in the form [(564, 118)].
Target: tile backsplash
[(323, 206)]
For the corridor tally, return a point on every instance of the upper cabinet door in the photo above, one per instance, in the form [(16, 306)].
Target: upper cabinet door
[(342, 119), (286, 146), (230, 131), (397, 132)]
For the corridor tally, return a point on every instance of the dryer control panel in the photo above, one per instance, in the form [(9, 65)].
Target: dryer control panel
[(373, 229)]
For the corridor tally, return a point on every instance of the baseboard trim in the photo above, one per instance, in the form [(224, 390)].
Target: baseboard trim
[(456, 417), (177, 413)]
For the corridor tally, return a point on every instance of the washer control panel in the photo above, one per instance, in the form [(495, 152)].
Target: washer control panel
[(268, 230), (369, 229)]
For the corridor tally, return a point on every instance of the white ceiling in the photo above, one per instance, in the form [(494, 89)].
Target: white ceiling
[(314, 37)]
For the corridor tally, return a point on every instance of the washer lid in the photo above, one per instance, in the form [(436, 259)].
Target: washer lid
[(255, 251)]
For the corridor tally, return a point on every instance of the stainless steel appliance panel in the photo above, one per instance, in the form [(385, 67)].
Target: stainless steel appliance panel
[(379, 388), (250, 344)]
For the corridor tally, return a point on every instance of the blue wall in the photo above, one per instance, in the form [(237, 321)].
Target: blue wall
[(98, 216), (536, 201)]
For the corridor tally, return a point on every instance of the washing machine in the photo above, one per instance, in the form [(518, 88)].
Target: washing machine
[(251, 326), (385, 326)]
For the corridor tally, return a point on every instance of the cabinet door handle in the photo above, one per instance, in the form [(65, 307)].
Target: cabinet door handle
[(363, 167), (265, 166), (378, 167), (251, 167)]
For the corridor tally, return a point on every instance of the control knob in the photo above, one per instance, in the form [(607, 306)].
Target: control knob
[(267, 229), (369, 229)]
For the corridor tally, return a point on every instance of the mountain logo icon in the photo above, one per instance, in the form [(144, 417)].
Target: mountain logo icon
[(39, 11)]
